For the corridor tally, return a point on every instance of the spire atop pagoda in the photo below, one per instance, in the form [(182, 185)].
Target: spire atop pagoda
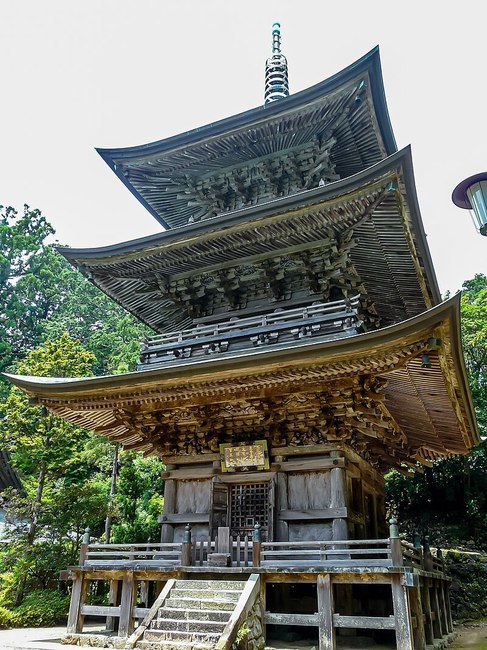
[(276, 74)]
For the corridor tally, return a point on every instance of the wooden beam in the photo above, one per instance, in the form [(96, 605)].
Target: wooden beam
[(305, 620), (309, 465), (365, 622), (312, 515), (185, 518)]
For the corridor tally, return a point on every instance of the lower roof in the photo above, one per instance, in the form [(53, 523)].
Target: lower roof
[(397, 410)]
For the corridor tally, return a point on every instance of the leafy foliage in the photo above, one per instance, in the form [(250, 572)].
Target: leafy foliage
[(53, 322)]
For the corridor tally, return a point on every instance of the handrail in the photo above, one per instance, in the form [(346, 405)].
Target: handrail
[(97, 554), (159, 601), (262, 320), (237, 618)]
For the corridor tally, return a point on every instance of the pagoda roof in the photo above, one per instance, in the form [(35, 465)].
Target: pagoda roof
[(425, 413), (350, 107), (380, 205)]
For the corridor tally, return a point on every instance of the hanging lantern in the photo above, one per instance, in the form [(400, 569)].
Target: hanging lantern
[(471, 194)]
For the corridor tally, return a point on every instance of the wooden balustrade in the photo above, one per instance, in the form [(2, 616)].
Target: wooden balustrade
[(247, 552), (322, 319), (130, 554)]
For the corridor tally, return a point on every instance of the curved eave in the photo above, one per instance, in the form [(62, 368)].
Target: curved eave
[(446, 314), (368, 64), (99, 258)]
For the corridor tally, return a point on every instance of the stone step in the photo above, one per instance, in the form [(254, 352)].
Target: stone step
[(194, 614), (187, 625), (184, 636), (210, 584), (229, 595), (198, 603), (174, 645)]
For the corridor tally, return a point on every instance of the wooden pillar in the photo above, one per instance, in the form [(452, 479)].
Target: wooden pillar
[(78, 595), (446, 592), (126, 624), (402, 614), (442, 602), (167, 530), (338, 500), (112, 600), (282, 504), (437, 626), (324, 587), (417, 612), (428, 622)]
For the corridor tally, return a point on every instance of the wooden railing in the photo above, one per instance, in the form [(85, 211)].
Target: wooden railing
[(349, 553), (333, 319), (133, 554), (247, 552)]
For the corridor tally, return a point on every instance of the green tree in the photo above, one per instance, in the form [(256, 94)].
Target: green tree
[(48, 454), (139, 499), (22, 243)]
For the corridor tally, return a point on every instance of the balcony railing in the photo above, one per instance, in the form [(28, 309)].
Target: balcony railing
[(246, 552), (330, 320)]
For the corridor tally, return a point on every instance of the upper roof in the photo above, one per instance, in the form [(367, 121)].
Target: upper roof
[(348, 110), (379, 204)]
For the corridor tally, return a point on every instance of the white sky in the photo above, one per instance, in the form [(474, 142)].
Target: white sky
[(116, 73)]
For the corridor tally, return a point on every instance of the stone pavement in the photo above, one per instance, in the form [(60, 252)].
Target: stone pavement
[(45, 638)]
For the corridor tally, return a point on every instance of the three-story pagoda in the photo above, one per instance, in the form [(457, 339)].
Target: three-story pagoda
[(301, 351)]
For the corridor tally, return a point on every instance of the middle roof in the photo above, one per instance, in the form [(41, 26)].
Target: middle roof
[(378, 207)]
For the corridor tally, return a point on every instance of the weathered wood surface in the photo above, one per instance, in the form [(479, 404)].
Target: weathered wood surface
[(365, 622), (305, 620), (126, 620), (325, 612), (78, 595), (300, 515), (402, 615)]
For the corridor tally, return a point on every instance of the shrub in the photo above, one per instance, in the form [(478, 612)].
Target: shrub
[(40, 609), (5, 618)]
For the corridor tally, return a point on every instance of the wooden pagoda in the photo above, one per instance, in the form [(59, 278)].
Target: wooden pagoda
[(301, 352)]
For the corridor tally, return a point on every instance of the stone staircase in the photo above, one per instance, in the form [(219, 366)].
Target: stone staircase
[(193, 616)]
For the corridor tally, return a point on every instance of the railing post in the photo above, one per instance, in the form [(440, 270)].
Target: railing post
[(83, 552), (256, 542), (417, 541), (186, 547), (427, 561), (395, 543)]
